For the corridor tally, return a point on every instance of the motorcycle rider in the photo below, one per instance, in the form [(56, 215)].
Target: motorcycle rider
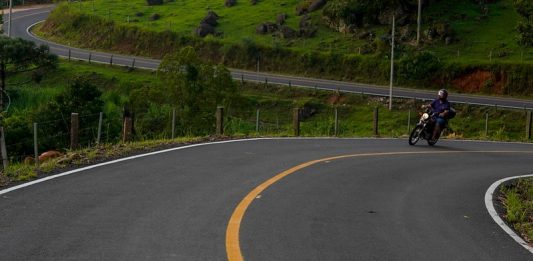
[(441, 106)]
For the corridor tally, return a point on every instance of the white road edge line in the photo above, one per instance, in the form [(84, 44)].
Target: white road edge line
[(489, 203), (2, 192)]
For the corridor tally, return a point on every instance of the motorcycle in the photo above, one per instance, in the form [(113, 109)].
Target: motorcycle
[(424, 128)]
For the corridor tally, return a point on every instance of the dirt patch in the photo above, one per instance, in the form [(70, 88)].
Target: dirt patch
[(336, 99), (480, 81)]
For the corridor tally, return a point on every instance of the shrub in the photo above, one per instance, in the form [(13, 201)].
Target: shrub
[(525, 33), (421, 66)]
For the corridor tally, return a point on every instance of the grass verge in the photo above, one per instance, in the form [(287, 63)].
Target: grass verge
[(517, 198), (22, 172)]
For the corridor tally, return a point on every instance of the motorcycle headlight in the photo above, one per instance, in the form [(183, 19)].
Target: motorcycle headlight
[(425, 116)]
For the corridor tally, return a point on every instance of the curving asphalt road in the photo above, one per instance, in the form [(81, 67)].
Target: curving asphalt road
[(388, 201), (24, 19), (424, 205)]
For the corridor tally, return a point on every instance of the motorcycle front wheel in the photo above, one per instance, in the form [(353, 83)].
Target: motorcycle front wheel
[(415, 135)]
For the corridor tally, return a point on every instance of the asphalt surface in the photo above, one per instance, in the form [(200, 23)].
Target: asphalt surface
[(24, 19), (176, 205)]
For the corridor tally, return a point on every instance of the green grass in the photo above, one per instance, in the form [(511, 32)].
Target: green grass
[(477, 38), (236, 23), (518, 202)]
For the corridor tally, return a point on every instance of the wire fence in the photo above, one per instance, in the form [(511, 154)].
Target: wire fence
[(356, 120)]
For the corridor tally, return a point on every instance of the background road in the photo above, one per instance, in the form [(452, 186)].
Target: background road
[(24, 19), (176, 205)]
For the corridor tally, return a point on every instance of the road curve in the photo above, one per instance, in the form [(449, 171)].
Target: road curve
[(24, 19), (412, 203)]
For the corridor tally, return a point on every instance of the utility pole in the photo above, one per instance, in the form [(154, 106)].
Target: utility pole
[(10, 15), (392, 61), (419, 22)]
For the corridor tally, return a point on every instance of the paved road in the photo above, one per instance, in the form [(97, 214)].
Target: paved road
[(24, 19), (176, 205)]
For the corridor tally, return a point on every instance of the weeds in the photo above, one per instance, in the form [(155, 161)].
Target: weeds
[(518, 203)]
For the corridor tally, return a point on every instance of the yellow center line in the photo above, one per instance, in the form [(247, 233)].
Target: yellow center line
[(233, 248)]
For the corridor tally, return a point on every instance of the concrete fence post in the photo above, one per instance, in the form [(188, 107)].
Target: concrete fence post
[(173, 123), (74, 130), (376, 121), (409, 122), (220, 120), (528, 125), (336, 122), (486, 124), (257, 120), (296, 121)]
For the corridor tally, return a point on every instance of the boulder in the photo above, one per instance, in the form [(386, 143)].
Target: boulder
[(211, 18), (317, 4), (154, 2), (271, 27), (287, 32), (300, 10), (281, 19), (307, 28), (261, 29), (205, 29), (230, 3)]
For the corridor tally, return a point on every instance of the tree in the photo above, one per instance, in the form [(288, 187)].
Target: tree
[(2, 21), (21, 56), (83, 97), (196, 88), (525, 27)]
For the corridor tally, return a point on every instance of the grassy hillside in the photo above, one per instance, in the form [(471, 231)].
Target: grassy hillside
[(483, 56), (477, 36)]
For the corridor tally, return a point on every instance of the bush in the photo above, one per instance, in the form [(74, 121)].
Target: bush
[(525, 33), (421, 66)]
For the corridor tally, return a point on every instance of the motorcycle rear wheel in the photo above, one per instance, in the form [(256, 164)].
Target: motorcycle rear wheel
[(432, 142), (415, 135)]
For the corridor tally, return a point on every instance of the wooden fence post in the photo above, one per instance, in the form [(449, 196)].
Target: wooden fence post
[(127, 129), (296, 121), (220, 120), (100, 121), (74, 130), (127, 125), (35, 145), (3, 148)]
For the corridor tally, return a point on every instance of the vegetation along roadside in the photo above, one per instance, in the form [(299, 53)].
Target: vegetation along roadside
[(467, 46), (517, 200)]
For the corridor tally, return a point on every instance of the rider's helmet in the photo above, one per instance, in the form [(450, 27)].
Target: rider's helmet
[(443, 94)]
